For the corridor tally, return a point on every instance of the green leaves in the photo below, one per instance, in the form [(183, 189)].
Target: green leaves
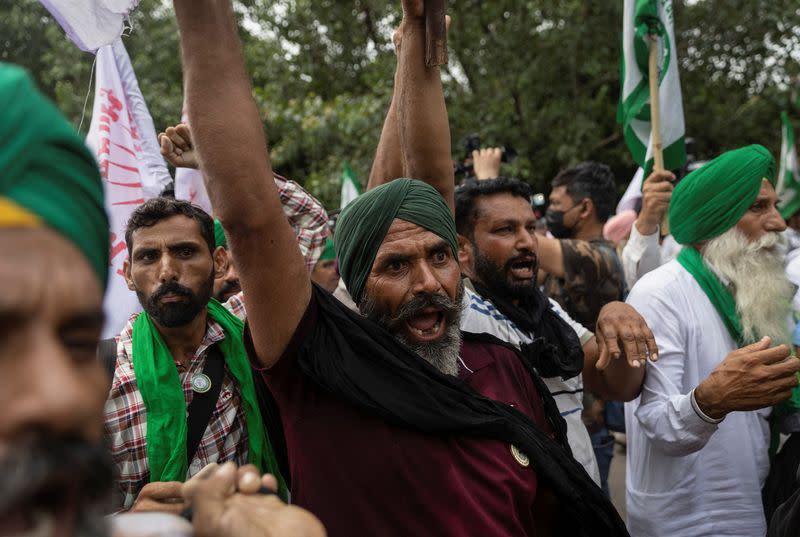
[(539, 75)]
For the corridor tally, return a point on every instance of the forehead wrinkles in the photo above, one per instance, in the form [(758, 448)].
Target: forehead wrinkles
[(407, 237), (45, 275)]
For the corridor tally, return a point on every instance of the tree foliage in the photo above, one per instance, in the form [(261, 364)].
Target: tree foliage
[(539, 75)]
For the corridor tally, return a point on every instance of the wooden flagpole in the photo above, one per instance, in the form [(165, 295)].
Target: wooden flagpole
[(435, 33), (655, 118)]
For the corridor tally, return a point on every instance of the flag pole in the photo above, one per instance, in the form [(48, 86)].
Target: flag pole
[(435, 33), (655, 118)]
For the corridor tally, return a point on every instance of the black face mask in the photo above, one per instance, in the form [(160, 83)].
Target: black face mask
[(555, 223)]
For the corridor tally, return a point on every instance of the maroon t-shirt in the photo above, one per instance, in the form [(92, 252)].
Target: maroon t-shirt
[(364, 477)]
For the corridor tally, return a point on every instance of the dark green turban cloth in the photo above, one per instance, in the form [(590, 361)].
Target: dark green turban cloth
[(712, 199), (46, 169), (329, 253), (363, 225), (219, 235)]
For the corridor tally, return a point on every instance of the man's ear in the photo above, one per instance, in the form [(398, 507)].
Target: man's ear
[(222, 260), (465, 254), (588, 210), (126, 271)]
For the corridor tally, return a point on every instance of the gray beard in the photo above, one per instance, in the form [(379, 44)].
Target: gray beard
[(443, 354), (755, 271)]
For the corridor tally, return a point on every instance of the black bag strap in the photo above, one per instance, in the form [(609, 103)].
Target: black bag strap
[(202, 406), (107, 354)]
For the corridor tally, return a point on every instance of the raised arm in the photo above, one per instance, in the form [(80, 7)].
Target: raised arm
[(233, 153), (421, 112), (388, 163)]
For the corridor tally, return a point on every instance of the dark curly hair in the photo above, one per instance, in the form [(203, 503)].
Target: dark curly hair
[(470, 191), (155, 210)]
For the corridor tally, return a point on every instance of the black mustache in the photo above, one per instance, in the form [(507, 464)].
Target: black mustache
[(171, 288), (449, 308), (524, 256), (42, 470)]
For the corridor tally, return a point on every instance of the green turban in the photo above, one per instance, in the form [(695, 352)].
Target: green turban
[(47, 171), (329, 253), (219, 235), (712, 199), (363, 225)]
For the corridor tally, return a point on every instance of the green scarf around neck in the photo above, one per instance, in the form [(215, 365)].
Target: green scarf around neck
[(717, 293), (161, 389)]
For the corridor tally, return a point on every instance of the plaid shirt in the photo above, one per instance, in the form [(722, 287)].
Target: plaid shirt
[(307, 217), (224, 440)]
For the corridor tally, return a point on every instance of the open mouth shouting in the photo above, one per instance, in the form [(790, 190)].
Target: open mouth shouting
[(426, 325), (522, 268)]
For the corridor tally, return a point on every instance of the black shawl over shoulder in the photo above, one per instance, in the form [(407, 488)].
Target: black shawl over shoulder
[(556, 350), (358, 361)]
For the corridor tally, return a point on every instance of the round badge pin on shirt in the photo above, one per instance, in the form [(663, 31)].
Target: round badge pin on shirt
[(520, 457), (201, 383)]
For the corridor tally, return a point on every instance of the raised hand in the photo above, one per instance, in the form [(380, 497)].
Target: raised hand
[(413, 9), (656, 195), (623, 332), (750, 378), (177, 147), (487, 162)]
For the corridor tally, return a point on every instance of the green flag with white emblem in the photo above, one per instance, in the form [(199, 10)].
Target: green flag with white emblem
[(789, 174), (642, 19)]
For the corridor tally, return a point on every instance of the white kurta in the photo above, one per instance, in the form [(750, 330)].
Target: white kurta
[(685, 476)]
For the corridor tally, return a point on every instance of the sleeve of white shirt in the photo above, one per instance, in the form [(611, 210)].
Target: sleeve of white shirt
[(584, 334), (641, 254), (665, 411)]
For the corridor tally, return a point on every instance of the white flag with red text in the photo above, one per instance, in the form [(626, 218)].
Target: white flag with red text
[(123, 139), (189, 184)]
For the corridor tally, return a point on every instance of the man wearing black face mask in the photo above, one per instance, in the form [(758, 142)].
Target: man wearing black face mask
[(582, 272)]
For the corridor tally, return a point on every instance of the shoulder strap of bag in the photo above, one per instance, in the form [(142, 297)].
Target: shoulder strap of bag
[(202, 406)]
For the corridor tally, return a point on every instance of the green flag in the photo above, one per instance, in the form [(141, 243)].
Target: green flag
[(641, 19), (789, 174), (350, 187)]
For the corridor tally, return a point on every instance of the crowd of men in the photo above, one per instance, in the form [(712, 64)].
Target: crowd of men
[(432, 365)]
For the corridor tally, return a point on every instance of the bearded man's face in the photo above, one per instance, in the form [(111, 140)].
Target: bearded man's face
[(172, 270), (56, 473), (504, 246), (414, 290)]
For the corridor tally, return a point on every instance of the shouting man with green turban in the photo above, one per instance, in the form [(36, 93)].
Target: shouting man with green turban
[(395, 399), (698, 439)]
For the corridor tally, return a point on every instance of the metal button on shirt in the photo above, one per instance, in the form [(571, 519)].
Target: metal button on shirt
[(200, 383), (520, 457)]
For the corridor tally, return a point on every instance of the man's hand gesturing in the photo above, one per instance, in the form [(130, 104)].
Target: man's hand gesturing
[(623, 332), (749, 378), (177, 148)]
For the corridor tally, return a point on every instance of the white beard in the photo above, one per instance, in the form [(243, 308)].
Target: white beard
[(755, 269)]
